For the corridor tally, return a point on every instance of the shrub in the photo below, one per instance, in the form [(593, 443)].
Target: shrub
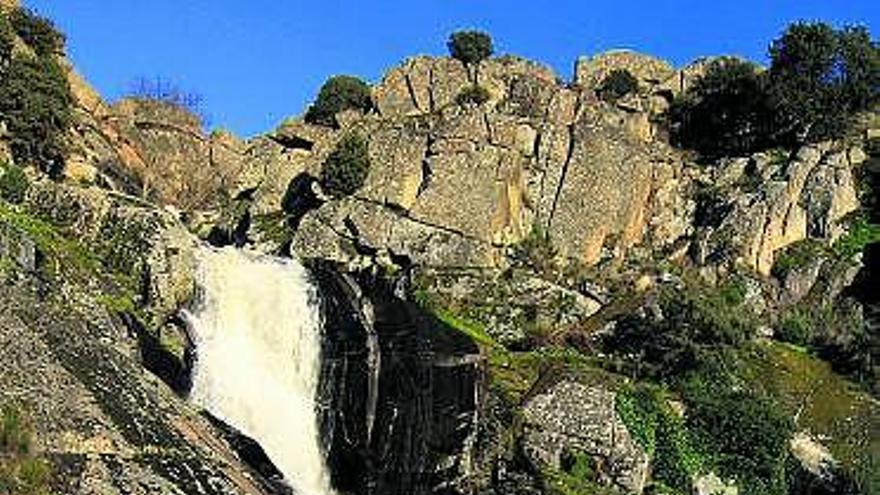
[(337, 94), (13, 183), (20, 471), (860, 233), (745, 434), (537, 253), (470, 47), (696, 322), (819, 76), (726, 111), (619, 83), (796, 327), (473, 95), (36, 104), (38, 32), (347, 167), (652, 423)]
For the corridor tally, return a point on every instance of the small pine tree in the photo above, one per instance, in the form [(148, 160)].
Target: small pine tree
[(337, 94), (470, 47), (346, 168)]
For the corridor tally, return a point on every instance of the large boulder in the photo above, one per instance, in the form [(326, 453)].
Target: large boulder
[(573, 417)]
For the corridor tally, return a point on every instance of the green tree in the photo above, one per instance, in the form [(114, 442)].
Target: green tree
[(617, 83), (470, 47), (819, 76), (337, 94), (346, 168), (727, 111), (38, 32), (36, 105)]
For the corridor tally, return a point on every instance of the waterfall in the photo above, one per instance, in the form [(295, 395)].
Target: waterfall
[(257, 335)]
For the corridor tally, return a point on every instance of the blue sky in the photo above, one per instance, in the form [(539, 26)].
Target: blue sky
[(256, 62)]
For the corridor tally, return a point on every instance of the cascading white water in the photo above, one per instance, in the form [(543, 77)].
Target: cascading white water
[(257, 335)]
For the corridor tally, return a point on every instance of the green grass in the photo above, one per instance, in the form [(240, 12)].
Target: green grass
[(826, 404)]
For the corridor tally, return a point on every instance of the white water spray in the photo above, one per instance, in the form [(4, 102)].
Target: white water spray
[(257, 333)]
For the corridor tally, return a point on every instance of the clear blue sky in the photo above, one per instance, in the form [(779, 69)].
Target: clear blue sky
[(256, 62)]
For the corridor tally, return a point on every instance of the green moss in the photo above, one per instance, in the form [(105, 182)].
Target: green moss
[(63, 256), (471, 328)]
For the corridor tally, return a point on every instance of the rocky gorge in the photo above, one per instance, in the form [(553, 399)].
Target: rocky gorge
[(539, 293)]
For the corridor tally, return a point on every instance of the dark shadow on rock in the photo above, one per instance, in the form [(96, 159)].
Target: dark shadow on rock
[(251, 453), (299, 199), (176, 373), (403, 430)]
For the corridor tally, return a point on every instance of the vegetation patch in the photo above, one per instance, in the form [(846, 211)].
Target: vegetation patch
[(346, 168), (14, 183), (22, 472), (860, 233), (470, 47), (830, 407), (648, 416), (617, 84), (35, 100), (796, 256), (38, 32), (578, 475), (474, 95), (339, 93), (819, 77)]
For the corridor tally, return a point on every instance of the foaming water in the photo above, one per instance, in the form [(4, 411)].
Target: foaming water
[(257, 334)]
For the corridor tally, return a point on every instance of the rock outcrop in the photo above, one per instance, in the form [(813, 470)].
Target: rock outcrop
[(772, 202), (576, 418)]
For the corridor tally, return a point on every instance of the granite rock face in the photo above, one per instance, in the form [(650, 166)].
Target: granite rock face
[(538, 155), (775, 202), (572, 417)]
